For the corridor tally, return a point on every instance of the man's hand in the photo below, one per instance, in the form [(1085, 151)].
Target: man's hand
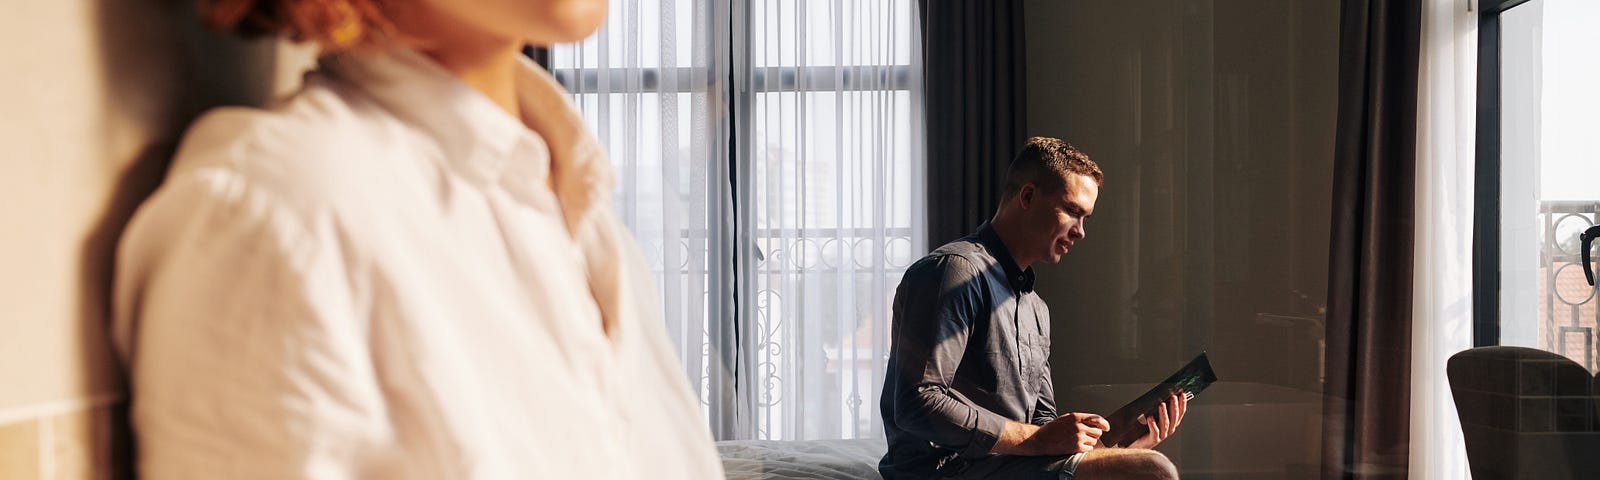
[(1168, 416), (1067, 434)]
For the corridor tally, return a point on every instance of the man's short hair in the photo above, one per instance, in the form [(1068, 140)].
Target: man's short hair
[(1045, 162)]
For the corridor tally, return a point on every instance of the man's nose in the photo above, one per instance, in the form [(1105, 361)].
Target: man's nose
[(1077, 232)]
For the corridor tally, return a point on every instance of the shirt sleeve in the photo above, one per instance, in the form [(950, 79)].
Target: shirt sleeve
[(937, 305), (247, 356)]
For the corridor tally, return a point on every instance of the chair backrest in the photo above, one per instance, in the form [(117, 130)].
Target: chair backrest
[(1526, 413)]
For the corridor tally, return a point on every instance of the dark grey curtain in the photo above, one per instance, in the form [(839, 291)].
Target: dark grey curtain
[(540, 55), (975, 105), (1369, 275)]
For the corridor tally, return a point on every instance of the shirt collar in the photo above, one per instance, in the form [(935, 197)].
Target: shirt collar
[(1020, 279), (475, 135)]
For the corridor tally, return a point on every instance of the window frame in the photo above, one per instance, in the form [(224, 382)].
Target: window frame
[(1486, 184)]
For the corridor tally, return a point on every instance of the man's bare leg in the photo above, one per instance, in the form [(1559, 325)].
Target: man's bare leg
[(1125, 464)]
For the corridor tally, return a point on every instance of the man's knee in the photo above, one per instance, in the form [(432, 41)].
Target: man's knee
[(1125, 464)]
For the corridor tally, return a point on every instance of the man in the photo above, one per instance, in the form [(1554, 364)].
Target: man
[(968, 391)]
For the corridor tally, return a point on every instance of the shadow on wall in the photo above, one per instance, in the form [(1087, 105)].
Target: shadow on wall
[(161, 68)]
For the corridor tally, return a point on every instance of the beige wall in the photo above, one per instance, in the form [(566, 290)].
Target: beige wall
[(1213, 120), (92, 99)]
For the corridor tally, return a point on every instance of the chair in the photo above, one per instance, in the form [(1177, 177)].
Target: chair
[(1526, 414)]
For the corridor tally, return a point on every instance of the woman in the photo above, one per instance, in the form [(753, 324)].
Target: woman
[(410, 269)]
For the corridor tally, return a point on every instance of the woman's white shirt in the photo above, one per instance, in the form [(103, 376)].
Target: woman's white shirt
[(374, 279)]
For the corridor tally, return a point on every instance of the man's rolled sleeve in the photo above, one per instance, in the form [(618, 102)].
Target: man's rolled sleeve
[(986, 432), (929, 348)]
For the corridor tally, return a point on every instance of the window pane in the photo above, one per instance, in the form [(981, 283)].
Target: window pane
[(833, 222), (822, 33), (659, 156), (1550, 175), (828, 170), (636, 34), (832, 215)]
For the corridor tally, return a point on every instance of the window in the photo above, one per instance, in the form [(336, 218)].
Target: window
[(1538, 176), (768, 157)]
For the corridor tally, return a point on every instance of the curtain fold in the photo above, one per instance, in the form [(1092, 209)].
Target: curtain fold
[(1442, 315), (1369, 324), (976, 104)]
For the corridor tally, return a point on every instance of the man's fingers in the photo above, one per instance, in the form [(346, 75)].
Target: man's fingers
[(1096, 421), (1087, 441), (1183, 406), (1177, 411), (1168, 413), (1093, 433), (1166, 419)]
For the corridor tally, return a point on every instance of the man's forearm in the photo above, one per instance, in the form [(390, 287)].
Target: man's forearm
[(1067, 434), (1013, 439)]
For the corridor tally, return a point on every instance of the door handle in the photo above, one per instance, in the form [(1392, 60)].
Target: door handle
[(1585, 239)]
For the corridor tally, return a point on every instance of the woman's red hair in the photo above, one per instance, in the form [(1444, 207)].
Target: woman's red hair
[(334, 24)]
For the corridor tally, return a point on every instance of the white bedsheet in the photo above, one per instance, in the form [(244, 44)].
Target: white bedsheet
[(808, 459)]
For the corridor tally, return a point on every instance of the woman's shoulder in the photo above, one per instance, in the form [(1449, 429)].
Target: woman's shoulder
[(311, 161), (318, 141), (323, 119)]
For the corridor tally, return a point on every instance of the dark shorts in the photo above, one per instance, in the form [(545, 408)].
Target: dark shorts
[(1007, 467)]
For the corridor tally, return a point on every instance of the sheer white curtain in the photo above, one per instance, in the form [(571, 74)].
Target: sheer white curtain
[(769, 161), (835, 204), (1442, 311), (649, 85)]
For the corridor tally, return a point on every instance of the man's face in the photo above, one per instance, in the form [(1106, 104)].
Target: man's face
[(1057, 218)]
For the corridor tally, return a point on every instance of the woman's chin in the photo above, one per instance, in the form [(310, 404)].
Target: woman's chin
[(572, 20)]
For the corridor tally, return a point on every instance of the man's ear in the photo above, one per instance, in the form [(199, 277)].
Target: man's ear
[(1025, 195)]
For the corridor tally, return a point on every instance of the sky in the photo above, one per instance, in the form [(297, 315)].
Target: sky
[(1570, 162)]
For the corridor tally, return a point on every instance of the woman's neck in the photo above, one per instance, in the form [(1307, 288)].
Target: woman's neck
[(485, 62), (490, 72)]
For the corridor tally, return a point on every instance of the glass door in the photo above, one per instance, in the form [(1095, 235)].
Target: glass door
[(1549, 182)]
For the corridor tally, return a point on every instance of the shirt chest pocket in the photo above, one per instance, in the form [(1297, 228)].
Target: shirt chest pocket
[(1035, 351)]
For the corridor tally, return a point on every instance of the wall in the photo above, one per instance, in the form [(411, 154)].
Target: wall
[(95, 94), (1214, 122)]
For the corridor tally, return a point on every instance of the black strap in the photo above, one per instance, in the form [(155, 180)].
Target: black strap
[(1587, 237)]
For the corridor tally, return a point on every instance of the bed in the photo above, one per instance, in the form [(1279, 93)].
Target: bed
[(805, 459)]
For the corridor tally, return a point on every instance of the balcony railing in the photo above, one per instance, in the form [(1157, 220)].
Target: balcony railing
[(1568, 303), (820, 320)]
